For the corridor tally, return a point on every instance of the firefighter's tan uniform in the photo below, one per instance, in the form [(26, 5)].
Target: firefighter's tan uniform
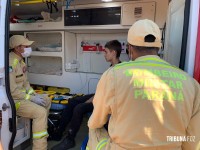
[(153, 106), (21, 93)]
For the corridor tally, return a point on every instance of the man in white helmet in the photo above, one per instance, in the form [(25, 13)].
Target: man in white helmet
[(152, 104), (28, 103)]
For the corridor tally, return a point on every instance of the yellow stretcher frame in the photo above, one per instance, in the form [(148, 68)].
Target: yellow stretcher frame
[(21, 2)]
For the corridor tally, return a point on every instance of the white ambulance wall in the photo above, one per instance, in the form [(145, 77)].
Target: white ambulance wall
[(70, 47), (92, 65), (174, 31), (80, 80), (95, 62), (76, 81)]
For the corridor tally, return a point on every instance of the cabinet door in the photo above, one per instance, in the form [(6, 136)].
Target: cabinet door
[(49, 65), (23, 130), (48, 53), (46, 41), (131, 12)]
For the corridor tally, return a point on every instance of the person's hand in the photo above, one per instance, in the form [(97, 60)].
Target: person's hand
[(38, 100), (46, 98)]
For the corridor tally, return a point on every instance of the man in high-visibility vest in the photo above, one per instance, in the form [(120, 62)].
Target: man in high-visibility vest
[(152, 104), (28, 103)]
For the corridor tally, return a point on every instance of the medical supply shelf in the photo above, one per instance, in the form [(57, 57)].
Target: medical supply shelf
[(48, 52)]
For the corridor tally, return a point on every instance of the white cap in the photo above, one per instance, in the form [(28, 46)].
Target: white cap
[(17, 40), (142, 28)]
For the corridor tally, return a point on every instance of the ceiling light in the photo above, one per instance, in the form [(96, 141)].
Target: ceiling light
[(106, 0)]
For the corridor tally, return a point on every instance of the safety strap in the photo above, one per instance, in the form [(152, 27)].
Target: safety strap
[(39, 135), (101, 144)]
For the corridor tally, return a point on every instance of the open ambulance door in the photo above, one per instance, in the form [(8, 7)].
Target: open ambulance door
[(197, 62), (7, 106), (181, 36)]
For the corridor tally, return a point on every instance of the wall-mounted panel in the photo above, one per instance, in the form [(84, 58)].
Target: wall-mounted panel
[(136, 11), (93, 61)]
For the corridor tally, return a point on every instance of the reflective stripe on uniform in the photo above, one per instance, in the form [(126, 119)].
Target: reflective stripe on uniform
[(39, 135), (154, 62), (24, 91), (101, 144), (87, 148), (143, 64), (27, 97), (15, 62), (154, 59), (31, 91), (17, 105)]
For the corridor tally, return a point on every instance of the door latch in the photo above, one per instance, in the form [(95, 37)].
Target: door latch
[(5, 107)]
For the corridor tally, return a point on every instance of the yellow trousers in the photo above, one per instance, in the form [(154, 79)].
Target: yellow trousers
[(39, 115)]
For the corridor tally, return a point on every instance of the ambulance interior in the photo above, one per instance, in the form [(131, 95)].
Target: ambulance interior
[(69, 40)]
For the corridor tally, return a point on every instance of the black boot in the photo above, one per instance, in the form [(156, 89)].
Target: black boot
[(55, 137), (67, 143)]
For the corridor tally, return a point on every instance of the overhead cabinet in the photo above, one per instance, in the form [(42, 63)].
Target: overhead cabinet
[(93, 16), (116, 15), (136, 11), (36, 26)]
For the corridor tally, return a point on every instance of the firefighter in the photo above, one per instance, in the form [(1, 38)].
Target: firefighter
[(28, 103), (153, 105), (73, 113)]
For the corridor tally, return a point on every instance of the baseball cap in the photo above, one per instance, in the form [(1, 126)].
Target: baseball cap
[(140, 30), (17, 40)]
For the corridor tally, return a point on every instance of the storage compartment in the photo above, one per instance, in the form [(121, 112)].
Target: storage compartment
[(45, 65), (20, 128), (93, 16), (46, 42), (23, 130), (31, 17), (136, 11), (47, 56)]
